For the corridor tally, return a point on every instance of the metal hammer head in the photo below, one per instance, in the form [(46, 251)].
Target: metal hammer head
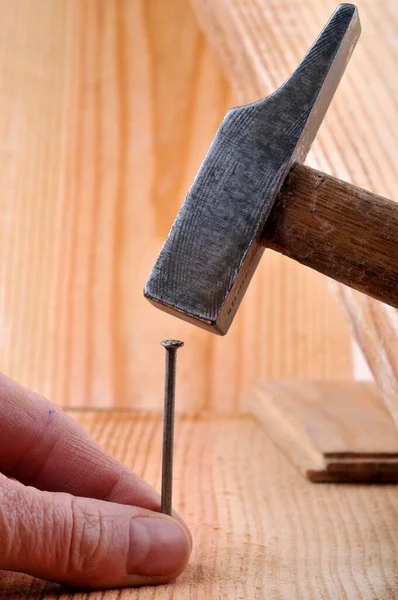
[(214, 246)]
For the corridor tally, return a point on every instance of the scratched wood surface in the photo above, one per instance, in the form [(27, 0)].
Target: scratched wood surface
[(258, 44), (261, 531), (106, 111)]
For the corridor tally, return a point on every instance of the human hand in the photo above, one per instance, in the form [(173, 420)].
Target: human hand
[(87, 520)]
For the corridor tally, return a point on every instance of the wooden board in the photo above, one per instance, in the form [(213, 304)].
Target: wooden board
[(375, 326), (259, 44), (342, 231), (331, 431), (107, 108), (261, 531)]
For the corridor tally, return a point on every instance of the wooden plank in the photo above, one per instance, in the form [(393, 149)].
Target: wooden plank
[(331, 431), (261, 531), (108, 129), (375, 326), (259, 44)]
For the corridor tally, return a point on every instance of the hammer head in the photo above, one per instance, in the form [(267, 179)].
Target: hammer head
[(214, 246)]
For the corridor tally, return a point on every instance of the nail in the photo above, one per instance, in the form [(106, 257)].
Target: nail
[(158, 546), (168, 424)]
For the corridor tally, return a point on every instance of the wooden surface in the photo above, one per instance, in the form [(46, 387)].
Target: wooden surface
[(338, 229), (375, 326), (260, 529), (107, 108), (331, 431), (259, 44)]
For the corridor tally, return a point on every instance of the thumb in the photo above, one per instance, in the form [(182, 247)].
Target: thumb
[(85, 542)]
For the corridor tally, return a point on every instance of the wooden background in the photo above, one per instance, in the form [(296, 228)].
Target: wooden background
[(107, 108)]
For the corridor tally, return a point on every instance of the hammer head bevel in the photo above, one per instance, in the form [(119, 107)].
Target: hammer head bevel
[(214, 246)]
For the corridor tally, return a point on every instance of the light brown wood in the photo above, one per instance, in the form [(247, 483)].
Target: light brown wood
[(338, 229), (261, 531), (107, 128), (259, 44), (107, 109), (375, 326), (331, 431)]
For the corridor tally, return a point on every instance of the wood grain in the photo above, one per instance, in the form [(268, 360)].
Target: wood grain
[(261, 531), (107, 128), (375, 326), (337, 432), (340, 230), (107, 108), (259, 44)]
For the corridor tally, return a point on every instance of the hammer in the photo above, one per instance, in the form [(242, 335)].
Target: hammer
[(252, 192)]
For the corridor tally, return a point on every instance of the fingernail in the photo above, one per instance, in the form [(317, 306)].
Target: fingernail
[(158, 546)]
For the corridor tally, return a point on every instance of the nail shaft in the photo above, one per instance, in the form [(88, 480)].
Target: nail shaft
[(171, 347)]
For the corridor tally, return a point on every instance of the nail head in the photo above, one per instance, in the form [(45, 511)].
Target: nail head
[(172, 344)]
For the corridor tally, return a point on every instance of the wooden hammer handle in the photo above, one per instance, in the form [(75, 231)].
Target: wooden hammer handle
[(339, 230)]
